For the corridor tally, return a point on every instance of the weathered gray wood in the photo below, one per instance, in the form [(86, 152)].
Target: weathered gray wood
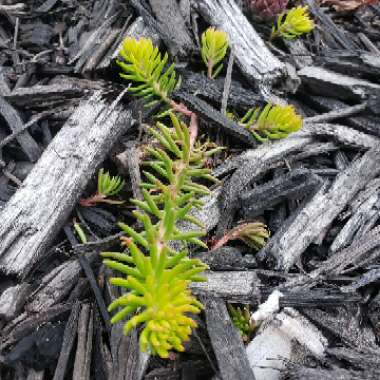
[(128, 362), (36, 212), (320, 80), (15, 123), (231, 285), (67, 344), (12, 300), (251, 165), (172, 26), (82, 364), (289, 243), (254, 59), (227, 343), (341, 134)]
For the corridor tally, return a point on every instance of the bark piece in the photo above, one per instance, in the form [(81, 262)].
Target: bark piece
[(68, 343), (128, 361), (289, 243), (322, 81), (173, 26), (35, 214), (15, 123), (227, 343), (82, 364), (12, 300), (295, 184), (254, 59)]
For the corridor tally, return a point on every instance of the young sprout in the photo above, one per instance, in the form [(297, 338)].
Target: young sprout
[(107, 187), (253, 234), (273, 122), (241, 319), (143, 65), (293, 23), (213, 50)]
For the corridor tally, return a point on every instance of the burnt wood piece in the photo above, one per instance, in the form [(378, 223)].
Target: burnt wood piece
[(25, 324), (373, 275), (137, 30), (12, 300), (239, 97), (82, 364), (252, 56), (246, 287), (337, 114), (364, 214), (333, 32), (366, 64), (250, 166), (68, 343), (227, 343), (288, 244), (210, 114), (34, 96), (320, 80), (367, 124), (341, 134), (172, 24), (35, 214), (361, 252), (15, 123), (128, 362), (295, 184)]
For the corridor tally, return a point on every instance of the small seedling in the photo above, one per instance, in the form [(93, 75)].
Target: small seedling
[(293, 23), (253, 234), (241, 319), (273, 122), (158, 297), (107, 187), (213, 50)]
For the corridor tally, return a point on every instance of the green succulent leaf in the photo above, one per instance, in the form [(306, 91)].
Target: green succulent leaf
[(272, 122), (146, 68), (155, 276), (213, 50), (293, 24)]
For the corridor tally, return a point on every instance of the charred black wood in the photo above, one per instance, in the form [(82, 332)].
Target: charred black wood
[(227, 343), (239, 97), (67, 343), (251, 165), (82, 364), (172, 24), (15, 123), (210, 114), (295, 184), (367, 123), (320, 80), (288, 244)]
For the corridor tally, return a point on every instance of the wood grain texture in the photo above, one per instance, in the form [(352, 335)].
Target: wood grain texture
[(252, 56), (34, 215)]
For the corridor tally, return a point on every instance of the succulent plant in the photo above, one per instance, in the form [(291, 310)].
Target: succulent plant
[(253, 234), (293, 24), (268, 8), (143, 65), (213, 50), (273, 122), (241, 319), (157, 275), (108, 186)]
